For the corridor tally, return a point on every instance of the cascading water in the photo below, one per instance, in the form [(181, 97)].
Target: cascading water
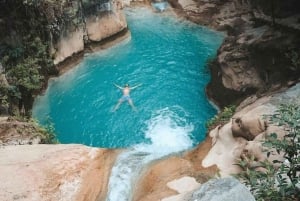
[(168, 133), (168, 57), (160, 5)]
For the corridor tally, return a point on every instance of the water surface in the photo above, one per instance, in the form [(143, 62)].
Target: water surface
[(168, 57)]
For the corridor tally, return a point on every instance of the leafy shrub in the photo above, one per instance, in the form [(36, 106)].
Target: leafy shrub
[(26, 68), (277, 180), (222, 117), (3, 96), (47, 132), (294, 57), (26, 74)]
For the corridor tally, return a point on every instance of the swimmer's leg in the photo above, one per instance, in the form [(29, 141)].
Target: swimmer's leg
[(118, 105), (132, 105)]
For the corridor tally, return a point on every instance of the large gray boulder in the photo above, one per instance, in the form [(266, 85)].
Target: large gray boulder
[(226, 189)]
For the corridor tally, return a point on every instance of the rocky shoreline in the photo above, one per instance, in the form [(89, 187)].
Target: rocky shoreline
[(110, 41), (76, 172), (237, 78)]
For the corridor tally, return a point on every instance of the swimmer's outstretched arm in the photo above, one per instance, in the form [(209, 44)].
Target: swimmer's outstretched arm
[(136, 86), (118, 86)]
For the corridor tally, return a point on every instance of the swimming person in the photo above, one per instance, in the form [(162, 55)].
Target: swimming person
[(126, 95)]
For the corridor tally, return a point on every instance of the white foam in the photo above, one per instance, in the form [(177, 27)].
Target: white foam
[(168, 132)]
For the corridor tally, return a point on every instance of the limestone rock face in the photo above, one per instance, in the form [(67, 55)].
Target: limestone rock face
[(254, 56), (68, 45), (92, 21), (227, 189), (243, 138), (65, 26), (54, 172), (55, 32), (99, 27), (248, 127)]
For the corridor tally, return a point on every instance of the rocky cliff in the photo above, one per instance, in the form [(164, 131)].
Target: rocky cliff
[(38, 36), (83, 23), (261, 50), (66, 26), (255, 57), (258, 57)]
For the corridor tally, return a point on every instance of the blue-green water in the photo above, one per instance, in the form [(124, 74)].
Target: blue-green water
[(168, 57)]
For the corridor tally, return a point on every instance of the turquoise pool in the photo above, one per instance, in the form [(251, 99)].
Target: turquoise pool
[(168, 57)]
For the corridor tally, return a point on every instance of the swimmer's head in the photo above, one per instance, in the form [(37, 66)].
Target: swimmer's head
[(126, 85)]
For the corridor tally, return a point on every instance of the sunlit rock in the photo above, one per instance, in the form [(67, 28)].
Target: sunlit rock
[(54, 172), (232, 141)]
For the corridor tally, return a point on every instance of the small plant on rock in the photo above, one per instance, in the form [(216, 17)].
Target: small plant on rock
[(221, 118), (46, 132)]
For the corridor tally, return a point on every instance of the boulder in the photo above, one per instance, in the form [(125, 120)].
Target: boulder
[(248, 127), (225, 150), (226, 189)]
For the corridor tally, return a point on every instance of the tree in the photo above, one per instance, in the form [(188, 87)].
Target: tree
[(25, 69)]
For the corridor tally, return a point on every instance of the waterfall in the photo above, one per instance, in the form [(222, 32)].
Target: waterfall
[(168, 132), (160, 6)]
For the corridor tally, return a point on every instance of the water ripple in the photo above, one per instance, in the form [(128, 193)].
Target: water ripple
[(166, 55)]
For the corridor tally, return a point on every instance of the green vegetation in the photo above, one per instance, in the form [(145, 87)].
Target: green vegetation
[(24, 65), (47, 133), (3, 95), (277, 180), (31, 129), (294, 57), (27, 30), (24, 55), (221, 118), (25, 68)]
